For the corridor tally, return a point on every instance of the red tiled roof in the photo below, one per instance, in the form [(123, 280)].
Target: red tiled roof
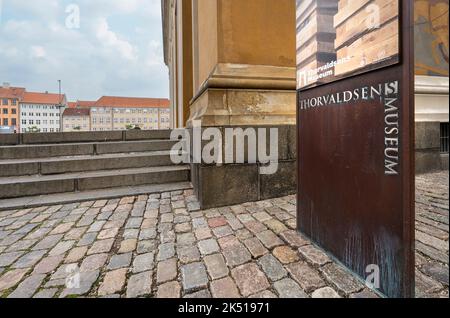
[(12, 92), (43, 98), (76, 112), (132, 102), (72, 104), (85, 103)]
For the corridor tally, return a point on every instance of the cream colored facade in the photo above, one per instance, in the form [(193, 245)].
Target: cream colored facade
[(76, 123), (107, 118)]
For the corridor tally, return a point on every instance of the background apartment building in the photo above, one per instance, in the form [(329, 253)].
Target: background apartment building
[(10, 97), (42, 111), (119, 113), (76, 119)]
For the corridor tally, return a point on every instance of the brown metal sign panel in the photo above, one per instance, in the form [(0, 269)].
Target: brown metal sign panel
[(355, 139)]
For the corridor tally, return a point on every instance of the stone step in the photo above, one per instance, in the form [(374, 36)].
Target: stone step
[(93, 195), (13, 187), (80, 149), (58, 165), (88, 136)]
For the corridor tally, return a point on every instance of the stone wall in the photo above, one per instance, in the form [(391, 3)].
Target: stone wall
[(428, 156)]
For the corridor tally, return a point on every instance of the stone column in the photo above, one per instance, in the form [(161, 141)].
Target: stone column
[(243, 75)]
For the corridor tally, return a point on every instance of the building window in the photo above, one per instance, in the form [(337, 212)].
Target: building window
[(24, 122), (5, 122), (13, 122), (14, 102), (5, 101), (444, 137), (5, 111), (13, 111)]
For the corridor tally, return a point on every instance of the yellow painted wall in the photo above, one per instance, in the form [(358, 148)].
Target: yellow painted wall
[(258, 32)]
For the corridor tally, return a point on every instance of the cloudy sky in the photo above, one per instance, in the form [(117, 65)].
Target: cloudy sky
[(114, 48)]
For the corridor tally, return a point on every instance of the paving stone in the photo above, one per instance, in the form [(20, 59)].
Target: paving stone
[(263, 295), (169, 290), (61, 248), (166, 270), (262, 216), (294, 239), (194, 277), (228, 241), (48, 264), (186, 239), (243, 234), (62, 228), (436, 271), (308, 278), (364, 294), (28, 287), (149, 223), (143, 263), (208, 246), (48, 242), (193, 206), (108, 233), (222, 231), (87, 239), (9, 258), (287, 288), (86, 280), (203, 234), (166, 251), (249, 279), (313, 255), (75, 233), (255, 227), (29, 259), (76, 254), (131, 234), (255, 247), (139, 285), (217, 222), (127, 246), (103, 246), (285, 254), (134, 223), (426, 286), (113, 282), (272, 267), (183, 228), (12, 278), (269, 239), (216, 266), (325, 292), (276, 226), (202, 294), (120, 261), (144, 247), (200, 222), (188, 254), (167, 218), (147, 234), (93, 262), (224, 288), (236, 255), (344, 281), (180, 219), (46, 293), (167, 236)]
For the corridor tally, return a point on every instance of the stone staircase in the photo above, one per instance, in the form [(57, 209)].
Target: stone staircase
[(37, 169)]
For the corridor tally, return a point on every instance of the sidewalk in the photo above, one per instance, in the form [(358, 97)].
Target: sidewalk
[(163, 246)]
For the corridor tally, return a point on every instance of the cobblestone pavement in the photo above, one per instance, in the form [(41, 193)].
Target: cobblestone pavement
[(163, 246)]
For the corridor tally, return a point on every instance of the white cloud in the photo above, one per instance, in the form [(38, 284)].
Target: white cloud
[(116, 51), (110, 39), (38, 52)]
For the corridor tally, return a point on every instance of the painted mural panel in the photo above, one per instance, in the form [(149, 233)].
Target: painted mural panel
[(340, 38), (431, 37)]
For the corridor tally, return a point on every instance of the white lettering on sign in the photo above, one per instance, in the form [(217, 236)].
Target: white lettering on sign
[(387, 93)]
